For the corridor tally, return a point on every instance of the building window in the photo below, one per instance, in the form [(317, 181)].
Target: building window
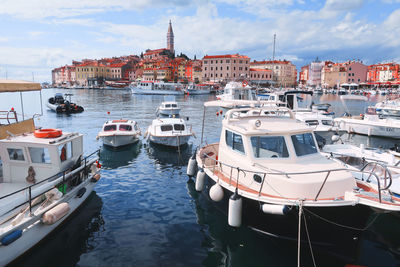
[(211, 75), (234, 61), (205, 61), (221, 74), (234, 75), (234, 68), (245, 68), (221, 67), (205, 68), (211, 62), (240, 61), (227, 61), (227, 67), (221, 60)]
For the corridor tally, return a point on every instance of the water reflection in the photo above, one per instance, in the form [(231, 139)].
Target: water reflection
[(169, 156), (112, 158), (65, 245)]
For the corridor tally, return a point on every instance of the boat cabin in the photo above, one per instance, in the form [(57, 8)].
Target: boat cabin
[(120, 125), (168, 126), (29, 159)]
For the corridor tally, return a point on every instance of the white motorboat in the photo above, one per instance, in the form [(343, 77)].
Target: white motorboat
[(388, 108), (157, 88), (383, 163), (237, 91), (43, 180), (169, 108), (59, 104), (172, 132), (198, 89), (116, 133), (371, 124), (267, 171)]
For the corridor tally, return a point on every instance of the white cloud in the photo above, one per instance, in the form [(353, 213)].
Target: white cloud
[(346, 5)]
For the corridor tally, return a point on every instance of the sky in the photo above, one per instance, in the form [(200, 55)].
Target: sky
[(39, 35)]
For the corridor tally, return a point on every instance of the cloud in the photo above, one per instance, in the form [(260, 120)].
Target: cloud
[(343, 5)]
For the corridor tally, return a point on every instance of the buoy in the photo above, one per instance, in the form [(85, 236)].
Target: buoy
[(55, 213), (235, 210), (275, 209), (216, 193), (47, 133), (191, 168), (200, 179), (11, 237)]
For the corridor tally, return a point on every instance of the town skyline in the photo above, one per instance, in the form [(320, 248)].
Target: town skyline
[(36, 40)]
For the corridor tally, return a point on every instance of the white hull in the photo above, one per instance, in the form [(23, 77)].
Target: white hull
[(357, 126), (172, 141), (30, 237), (168, 112), (119, 140), (198, 92), (138, 91)]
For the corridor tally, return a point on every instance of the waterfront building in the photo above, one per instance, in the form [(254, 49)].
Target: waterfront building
[(226, 68), (303, 75), (284, 73), (91, 73), (383, 73), (356, 72), (314, 78), (263, 76), (333, 74), (63, 76)]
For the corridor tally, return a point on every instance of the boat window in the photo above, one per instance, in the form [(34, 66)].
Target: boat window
[(109, 128), (39, 155), (269, 147), (174, 105), (16, 154), (167, 105), (327, 122), (65, 151), (125, 127), (179, 127), (304, 144), (312, 122), (165, 128), (234, 141)]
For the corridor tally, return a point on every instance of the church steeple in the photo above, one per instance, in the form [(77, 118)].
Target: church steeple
[(170, 38)]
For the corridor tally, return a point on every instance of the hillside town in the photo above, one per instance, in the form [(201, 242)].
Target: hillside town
[(162, 65)]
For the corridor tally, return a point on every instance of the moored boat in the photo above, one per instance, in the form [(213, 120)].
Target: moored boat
[(266, 172), (169, 107), (172, 132), (59, 104), (117, 133), (44, 178), (157, 88)]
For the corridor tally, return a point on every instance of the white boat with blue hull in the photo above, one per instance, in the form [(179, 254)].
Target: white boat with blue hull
[(258, 169), (157, 88), (43, 180)]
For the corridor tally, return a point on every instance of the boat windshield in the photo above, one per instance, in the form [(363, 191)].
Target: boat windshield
[(109, 128), (304, 144), (166, 128), (39, 155), (179, 127), (125, 127), (269, 147)]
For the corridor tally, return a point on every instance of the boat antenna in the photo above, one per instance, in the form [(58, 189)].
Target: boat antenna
[(273, 58), (33, 77)]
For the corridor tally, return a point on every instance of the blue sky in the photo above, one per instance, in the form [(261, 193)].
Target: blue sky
[(39, 35)]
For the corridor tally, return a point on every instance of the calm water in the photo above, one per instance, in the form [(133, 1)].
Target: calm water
[(145, 211)]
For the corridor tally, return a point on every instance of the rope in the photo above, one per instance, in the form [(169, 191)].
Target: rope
[(299, 233), (309, 241), (342, 225)]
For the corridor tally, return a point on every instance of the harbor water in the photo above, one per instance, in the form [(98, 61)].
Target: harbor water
[(145, 210)]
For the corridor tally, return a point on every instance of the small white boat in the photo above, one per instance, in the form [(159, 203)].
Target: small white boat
[(198, 89), (159, 88), (172, 132), (44, 178), (168, 108), (118, 133), (382, 163), (388, 108), (237, 91)]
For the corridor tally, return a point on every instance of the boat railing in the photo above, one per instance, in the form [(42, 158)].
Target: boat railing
[(58, 179), (262, 174), (9, 116)]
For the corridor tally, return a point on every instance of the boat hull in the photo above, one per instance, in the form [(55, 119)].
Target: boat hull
[(371, 130), (39, 231), (139, 91), (198, 92), (171, 141), (322, 232), (119, 140)]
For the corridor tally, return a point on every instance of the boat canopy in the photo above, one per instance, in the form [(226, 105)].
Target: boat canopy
[(18, 86), (354, 97)]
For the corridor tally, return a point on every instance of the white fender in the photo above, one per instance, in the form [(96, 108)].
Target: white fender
[(235, 210), (216, 193), (275, 209), (192, 164), (200, 179)]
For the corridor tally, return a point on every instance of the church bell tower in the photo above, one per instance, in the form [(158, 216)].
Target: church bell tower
[(170, 39)]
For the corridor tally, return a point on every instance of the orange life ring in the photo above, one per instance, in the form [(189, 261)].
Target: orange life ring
[(244, 83), (47, 133)]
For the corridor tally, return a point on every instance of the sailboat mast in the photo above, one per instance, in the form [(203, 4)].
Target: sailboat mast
[(273, 58)]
